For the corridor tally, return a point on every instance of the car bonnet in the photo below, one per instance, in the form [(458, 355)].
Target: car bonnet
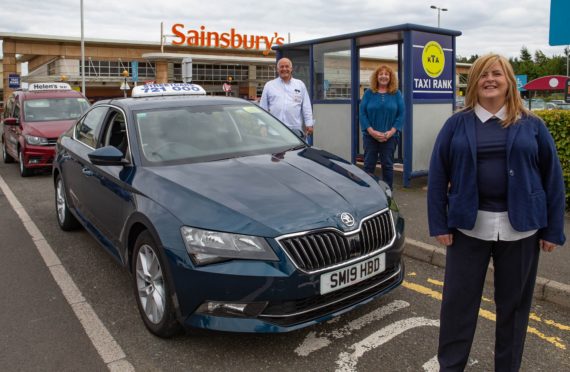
[(268, 195)]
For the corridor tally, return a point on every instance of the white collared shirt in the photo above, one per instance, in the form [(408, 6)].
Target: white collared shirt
[(288, 102), (493, 226)]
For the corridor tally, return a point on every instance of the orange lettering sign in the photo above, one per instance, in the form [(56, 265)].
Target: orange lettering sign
[(231, 40)]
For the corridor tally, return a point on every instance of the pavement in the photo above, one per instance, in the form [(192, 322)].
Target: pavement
[(553, 282)]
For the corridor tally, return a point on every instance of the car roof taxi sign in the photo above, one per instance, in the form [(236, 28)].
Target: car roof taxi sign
[(36, 87), (170, 89)]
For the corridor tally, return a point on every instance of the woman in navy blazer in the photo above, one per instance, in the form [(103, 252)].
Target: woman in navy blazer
[(495, 190)]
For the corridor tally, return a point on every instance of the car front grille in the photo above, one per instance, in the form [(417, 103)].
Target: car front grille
[(51, 141), (319, 250)]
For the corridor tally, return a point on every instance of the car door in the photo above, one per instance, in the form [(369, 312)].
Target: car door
[(112, 184), (73, 165), (12, 132)]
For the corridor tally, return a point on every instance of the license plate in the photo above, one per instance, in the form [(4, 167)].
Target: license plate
[(353, 274)]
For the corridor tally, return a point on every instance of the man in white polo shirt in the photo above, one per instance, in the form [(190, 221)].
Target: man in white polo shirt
[(287, 99)]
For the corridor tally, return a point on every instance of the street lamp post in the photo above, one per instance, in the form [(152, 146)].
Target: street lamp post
[(82, 53), (439, 10)]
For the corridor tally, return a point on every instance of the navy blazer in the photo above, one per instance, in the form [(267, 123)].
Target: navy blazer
[(535, 193)]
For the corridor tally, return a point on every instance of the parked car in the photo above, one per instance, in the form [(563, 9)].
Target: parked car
[(557, 101), (34, 119), (535, 104), (563, 106), (226, 218), (459, 102)]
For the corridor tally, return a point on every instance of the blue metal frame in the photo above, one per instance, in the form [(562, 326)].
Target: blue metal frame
[(453, 68), (311, 85), (408, 93), (355, 93)]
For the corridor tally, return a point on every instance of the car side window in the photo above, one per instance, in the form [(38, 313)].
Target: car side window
[(115, 132), (17, 110), (8, 107), (87, 129)]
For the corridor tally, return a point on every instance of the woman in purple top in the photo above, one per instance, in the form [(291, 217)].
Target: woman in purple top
[(381, 118)]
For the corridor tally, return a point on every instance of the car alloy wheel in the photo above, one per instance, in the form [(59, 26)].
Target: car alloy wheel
[(24, 172), (150, 283), (152, 288), (5, 156), (65, 219)]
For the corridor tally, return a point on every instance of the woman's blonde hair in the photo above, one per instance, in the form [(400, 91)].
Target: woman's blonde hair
[(513, 102), (392, 85)]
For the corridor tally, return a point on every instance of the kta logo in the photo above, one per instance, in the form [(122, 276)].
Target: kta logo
[(433, 59)]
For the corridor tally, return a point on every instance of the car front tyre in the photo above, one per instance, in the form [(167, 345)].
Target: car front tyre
[(24, 172), (65, 219), (152, 289), (5, 156)]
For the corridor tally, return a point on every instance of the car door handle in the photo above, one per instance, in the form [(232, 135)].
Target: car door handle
[(88, 172)]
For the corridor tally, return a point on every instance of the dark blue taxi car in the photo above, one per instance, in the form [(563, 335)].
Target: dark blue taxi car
[(226, 219)]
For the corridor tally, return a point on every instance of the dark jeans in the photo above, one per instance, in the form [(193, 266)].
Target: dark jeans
[(515, 264), (383, 150)]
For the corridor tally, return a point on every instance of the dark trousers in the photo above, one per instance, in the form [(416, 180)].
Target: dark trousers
[(515, 264), (383, 150)]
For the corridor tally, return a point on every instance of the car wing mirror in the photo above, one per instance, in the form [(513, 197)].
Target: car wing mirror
[(11, 121), (108, 155)]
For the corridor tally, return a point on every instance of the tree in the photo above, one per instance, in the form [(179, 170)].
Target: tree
[(525, 55)]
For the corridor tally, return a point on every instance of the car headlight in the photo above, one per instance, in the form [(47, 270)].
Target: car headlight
[(34, 140), (206, 246), (394, 209)]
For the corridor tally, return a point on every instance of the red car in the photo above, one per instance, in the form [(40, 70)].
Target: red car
[(33, 121)]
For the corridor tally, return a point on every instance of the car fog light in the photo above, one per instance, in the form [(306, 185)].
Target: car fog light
[(232, 309)]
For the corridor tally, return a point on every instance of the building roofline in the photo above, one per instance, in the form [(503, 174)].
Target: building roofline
[(59, 38), (394, 32)]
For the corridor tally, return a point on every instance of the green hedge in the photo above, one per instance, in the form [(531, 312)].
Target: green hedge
[(558, 122)]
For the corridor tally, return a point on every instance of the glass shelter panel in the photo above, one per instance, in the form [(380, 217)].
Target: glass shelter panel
[(332, 67), (301, 64)]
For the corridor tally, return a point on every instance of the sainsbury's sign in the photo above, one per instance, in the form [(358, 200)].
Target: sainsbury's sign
[(230, 40)]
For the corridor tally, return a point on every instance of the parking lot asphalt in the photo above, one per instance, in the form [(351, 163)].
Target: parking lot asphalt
[(553, 282), (39, 328)]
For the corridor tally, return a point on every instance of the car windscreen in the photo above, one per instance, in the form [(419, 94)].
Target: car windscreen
[(211, 132), (52, 109)]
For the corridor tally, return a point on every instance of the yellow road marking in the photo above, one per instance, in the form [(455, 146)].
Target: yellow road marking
[(552, 323), (435, 282), (552, 340), (489, 315), (423, 290)]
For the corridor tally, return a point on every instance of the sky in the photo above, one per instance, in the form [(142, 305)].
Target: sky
[(500, 26)]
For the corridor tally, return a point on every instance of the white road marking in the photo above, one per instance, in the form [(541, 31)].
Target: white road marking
[(314, 342), (431, 365), (347, 361), (109, 350)]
